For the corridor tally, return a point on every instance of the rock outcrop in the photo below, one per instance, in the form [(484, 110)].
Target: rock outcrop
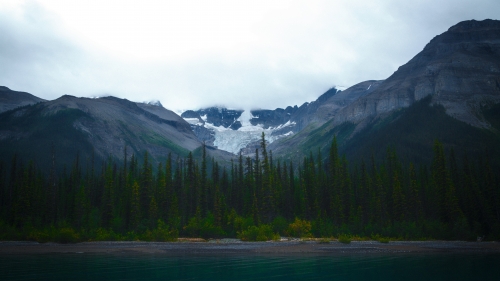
[(272, 118), (217, 116), (460, 68)]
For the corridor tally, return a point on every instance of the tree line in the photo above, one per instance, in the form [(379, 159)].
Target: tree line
[(322, 196)]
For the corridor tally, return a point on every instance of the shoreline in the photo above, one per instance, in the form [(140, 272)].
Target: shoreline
[(221, 247)]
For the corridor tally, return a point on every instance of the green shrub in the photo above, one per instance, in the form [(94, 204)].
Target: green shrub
[(261, 233), (346, 239), (163, 233), (322, 228), (118, 224), (461, 229), (8, 232), (279, 225), (324, 241), (102, 234), (193, 227), (300, 228), (67, 235), (40, 236), (131, 236), (204, 228), (380, 239), (383, 240), (250, 234)]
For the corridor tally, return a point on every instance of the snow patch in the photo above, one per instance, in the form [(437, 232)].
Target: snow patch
[(287, 124), (216, 128), (369, 87), (193, 121), (245, 118), (234, 140)]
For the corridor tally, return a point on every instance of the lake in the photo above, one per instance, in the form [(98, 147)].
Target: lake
[(85, 266)]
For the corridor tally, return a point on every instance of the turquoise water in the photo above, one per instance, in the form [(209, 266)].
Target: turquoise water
[(233, 267)]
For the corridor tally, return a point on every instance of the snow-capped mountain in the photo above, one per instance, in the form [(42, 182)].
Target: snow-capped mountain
[(236, 130), (153, 102), (455, 78)]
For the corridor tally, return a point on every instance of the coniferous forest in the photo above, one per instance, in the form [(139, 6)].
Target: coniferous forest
[(253, 198)]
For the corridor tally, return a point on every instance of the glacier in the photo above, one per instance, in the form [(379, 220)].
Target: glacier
[(234, 140)]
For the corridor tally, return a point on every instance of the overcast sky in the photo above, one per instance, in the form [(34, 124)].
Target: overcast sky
[(192, 54)]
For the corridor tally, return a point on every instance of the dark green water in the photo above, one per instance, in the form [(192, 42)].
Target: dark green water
[(160, 267)]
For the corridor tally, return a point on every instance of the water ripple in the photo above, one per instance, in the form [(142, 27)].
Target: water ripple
[(78, 266)]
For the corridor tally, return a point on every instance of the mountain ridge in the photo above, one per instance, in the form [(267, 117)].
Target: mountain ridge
[(458, 69), (437, 69), (101, 127), (12, 99)]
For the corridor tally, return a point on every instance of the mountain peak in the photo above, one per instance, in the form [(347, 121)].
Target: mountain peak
[(154, 102), (474, 25)]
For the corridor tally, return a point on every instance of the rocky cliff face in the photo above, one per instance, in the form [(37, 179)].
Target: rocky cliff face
[(327, 105), (272, 118), (460, 68), (217, 116), (212, 117)]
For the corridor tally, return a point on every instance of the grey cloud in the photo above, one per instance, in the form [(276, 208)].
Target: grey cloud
[(33, 55), (341, 45)]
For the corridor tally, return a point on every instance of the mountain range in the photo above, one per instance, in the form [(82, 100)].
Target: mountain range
[(93, 128), (455, 84), (450, 91)]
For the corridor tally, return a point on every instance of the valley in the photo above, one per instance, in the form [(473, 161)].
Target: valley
[(413, 156)]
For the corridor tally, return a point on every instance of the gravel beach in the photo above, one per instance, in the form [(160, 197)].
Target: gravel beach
[(233, 246)]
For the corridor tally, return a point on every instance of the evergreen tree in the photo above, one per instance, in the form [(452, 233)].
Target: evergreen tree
[(447, 200), (153, 212), (82, 207), (414, 203), (204, 182), (146, 185), (241, 187), (107, 199), (398, 199), (135, 207), (217, 207), (267, 207), (161, 193), (248, 201), (169, 189)]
